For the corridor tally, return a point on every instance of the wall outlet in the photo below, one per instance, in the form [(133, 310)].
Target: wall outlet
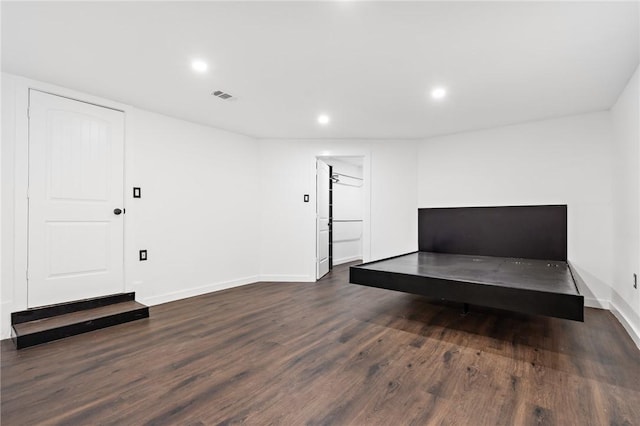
[(306, 198), (143, 255), (136, 192)]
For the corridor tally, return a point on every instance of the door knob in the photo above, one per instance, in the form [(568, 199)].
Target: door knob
[(117, 211)]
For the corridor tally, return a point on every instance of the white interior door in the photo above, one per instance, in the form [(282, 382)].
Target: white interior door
[(76, 236), (322, 218)]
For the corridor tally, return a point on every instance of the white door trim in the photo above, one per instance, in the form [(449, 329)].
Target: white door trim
[(21, 178)]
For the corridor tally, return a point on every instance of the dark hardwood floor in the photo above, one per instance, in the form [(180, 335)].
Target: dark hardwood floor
[(328, 353)]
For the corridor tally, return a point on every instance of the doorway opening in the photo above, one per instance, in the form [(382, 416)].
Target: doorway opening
[(341, 200)]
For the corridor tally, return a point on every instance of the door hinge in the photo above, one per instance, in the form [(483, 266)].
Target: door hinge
[(28, 112), (26, 274)]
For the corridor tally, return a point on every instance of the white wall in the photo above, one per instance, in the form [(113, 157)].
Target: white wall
[(394, 207), (347, 205), (625, 116), (561, 161), (288, 224), (198, 215), (6, 205)]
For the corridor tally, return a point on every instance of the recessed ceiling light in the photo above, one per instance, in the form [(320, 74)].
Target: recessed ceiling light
[(438, 93), (323, 119), (199, 65)]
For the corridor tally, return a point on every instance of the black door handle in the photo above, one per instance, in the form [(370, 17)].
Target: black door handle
[(117, 211)]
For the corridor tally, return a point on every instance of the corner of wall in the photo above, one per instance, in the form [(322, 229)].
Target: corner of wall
[(625, 301)]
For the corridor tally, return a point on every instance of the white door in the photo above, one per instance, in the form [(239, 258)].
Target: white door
[(322, 219), (76, 156)]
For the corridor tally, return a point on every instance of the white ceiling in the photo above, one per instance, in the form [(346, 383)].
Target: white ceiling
[(369, 65)]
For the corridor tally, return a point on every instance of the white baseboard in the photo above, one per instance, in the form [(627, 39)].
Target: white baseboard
[(633, 332), (287, 278), (197, 291), (590, 302), (346, 259)]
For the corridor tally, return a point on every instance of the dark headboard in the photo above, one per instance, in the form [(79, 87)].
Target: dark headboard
[(533, 232)]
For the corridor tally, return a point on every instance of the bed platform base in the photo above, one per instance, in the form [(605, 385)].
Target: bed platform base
[(515, 299)]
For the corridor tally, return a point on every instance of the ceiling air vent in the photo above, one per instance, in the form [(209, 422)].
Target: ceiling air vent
[(223, 95)]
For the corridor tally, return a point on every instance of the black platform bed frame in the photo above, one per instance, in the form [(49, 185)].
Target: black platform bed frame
[(521, 253)]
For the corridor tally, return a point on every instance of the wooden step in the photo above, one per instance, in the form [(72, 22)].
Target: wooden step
[(42, 330), (68, 307)]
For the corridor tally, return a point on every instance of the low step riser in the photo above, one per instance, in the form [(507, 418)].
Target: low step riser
[(34, 314), (79, 328)]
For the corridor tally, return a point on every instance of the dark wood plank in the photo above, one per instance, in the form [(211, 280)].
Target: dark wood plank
[(328, 353)]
